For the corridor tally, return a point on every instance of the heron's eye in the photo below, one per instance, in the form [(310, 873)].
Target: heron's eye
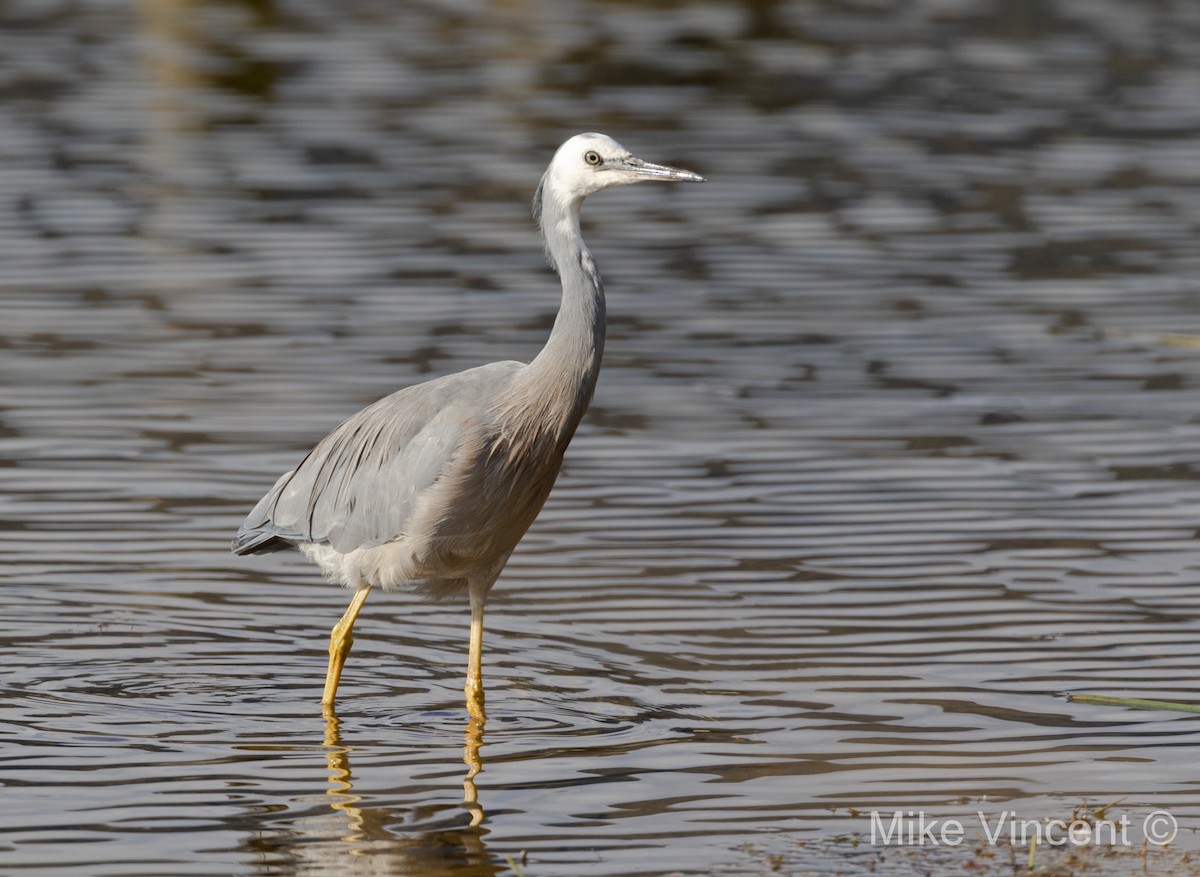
[(592, 157)]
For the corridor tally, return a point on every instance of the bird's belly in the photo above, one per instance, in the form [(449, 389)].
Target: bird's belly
[(394, 566)]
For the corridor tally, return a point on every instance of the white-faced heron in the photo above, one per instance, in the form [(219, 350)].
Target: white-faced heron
[(433, 486)]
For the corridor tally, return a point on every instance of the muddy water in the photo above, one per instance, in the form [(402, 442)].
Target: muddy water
[(895, 446)]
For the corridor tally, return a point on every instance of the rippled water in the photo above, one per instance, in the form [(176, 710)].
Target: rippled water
[(896, 443)]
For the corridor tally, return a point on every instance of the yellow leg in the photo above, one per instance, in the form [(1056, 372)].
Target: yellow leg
[(474, 687), (340, 641)]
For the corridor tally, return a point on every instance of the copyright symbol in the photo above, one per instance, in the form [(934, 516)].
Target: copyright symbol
[(1160, 828)]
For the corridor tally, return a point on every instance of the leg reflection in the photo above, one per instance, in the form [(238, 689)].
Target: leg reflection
[(474, 763), (341, 781)]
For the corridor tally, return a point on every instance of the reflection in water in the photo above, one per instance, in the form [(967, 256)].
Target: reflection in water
[(363, 833), (474, 763), (341, 785)]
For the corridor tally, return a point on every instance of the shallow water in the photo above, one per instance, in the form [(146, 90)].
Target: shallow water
[(890, 453)]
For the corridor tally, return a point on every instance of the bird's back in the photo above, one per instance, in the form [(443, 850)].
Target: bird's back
[(432, 485)]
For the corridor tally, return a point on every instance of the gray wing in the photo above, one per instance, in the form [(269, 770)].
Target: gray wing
[(360, 486)]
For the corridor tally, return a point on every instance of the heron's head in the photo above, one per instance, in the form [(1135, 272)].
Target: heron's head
[(588, 163)]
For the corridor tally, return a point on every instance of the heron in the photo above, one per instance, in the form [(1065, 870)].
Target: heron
[(431, 488)]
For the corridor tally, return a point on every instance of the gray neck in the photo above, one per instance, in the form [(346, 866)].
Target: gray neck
[(569, 364)]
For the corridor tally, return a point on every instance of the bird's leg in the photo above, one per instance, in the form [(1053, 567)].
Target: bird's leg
[(474, 687), (340, 641)]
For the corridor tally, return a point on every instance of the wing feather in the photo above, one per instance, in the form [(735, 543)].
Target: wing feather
[(362, 484)]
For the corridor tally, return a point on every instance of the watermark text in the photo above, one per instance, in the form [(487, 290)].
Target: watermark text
[(916, 828)]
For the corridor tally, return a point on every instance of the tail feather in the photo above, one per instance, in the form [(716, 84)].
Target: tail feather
[(258, 542)]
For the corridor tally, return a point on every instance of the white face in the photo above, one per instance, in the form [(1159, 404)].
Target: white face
[(588, 163)]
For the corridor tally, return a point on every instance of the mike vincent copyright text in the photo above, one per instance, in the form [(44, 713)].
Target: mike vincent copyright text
[(915, 828)]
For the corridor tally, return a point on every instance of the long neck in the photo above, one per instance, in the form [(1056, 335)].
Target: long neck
[(567, 368)]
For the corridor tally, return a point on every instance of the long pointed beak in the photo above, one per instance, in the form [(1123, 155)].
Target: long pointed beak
[(659, 171)]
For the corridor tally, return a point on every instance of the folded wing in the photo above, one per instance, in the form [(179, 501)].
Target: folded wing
[(362, 484)]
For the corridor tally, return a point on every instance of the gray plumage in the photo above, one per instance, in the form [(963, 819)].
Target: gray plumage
[(433, 486)]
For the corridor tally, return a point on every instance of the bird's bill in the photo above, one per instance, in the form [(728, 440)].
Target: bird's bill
[(650, 171)]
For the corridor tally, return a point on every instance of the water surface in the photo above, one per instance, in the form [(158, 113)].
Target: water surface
[(891, 451)]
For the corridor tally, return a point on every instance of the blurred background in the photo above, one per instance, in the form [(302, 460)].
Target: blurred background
[(895, 446)]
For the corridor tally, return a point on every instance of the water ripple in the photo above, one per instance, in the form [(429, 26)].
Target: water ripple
[(892, 451)]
